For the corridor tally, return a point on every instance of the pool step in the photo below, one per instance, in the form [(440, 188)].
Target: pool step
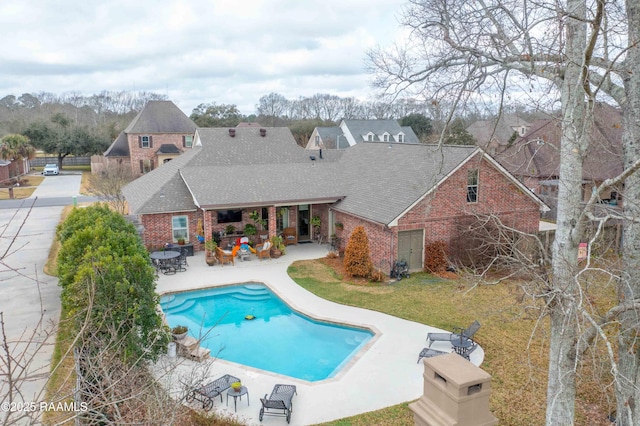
[(252, 297), (186, 304)]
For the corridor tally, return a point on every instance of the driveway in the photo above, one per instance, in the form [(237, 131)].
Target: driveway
[(30, 302)]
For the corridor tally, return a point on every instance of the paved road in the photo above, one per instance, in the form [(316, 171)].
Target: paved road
[(30, 300)]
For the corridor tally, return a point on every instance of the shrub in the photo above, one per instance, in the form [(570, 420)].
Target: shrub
[(357, 260), (435, 257)]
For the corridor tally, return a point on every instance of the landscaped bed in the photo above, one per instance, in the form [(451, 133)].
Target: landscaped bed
[(514, 341)]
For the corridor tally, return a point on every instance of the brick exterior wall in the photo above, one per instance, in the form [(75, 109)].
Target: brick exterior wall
[(136, 153), (441, 213)]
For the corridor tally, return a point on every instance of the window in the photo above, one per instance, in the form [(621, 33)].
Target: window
[(146, 166), (145, 142), (188, 141), (166, 160), (180, 228), (472, 186), (385, 137), (370, 137), (400, 137), (317, 140), (265, 217)]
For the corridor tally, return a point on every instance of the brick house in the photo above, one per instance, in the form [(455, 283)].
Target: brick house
[(158, 134), (405, 195)]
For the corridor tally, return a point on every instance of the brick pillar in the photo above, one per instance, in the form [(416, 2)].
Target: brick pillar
[(456, 392), (208, 227), (272, 221)]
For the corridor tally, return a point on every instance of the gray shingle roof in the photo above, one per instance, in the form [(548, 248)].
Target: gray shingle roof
[(168, 148), (358, 128), (384, 182), (378, 181), (161, 117), (119, 147)]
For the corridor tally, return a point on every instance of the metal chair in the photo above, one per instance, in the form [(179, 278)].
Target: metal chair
[(208, 392), (279, 402), (458, 333)]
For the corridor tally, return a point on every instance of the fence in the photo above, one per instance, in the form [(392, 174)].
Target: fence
[(66, 161)]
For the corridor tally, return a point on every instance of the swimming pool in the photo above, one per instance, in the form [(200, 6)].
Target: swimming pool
[(279, 339)]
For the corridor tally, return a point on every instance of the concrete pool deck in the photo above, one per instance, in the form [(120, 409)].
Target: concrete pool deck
[(384, 373)]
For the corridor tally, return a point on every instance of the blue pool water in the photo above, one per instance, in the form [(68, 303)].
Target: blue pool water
[(279, 339)]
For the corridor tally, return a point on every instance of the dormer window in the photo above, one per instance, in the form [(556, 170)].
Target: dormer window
[(370, 137), (385, 137), (317, 140), (401, 137), (523, 130)]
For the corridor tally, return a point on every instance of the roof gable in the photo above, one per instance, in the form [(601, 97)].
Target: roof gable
[(161, 117)]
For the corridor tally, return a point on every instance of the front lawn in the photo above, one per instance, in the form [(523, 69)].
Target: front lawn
[(514, 340)]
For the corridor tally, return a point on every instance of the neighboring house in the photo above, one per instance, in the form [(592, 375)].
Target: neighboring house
[(351, 132), (535, 158), (496, 135), (405, 195), (158, 134), (10, 169)]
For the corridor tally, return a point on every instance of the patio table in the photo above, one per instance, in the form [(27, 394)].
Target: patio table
[(166, 260)]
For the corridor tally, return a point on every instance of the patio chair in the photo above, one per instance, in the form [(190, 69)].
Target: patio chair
[(458, 333), (279, 402), (181, 261), (289, 236), (224, 256), (208, 392), (264, 250), (428, 353)]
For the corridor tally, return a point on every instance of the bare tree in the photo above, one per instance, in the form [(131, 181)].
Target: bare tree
[(470, 52), (108, 185)]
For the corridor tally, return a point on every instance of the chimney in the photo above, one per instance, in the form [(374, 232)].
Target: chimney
[(263, 132), (232, 133)]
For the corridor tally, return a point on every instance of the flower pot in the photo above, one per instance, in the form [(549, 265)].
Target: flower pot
[(211, 260), (275, 253), (180, 336)]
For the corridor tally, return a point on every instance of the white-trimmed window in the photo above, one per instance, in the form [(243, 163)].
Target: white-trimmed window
[(180, 228), (145, 142), (472, 186), (188, 141), (385, 137), (401, 137), (317, 140), (370, 137)]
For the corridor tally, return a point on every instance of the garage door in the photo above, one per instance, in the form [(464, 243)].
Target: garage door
[(410, 245)]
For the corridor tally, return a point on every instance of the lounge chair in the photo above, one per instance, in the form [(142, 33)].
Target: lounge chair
[(289, 236), (279, 401), (208, 392), (458, 333), (428, 353), (224, 256), (264, 250)]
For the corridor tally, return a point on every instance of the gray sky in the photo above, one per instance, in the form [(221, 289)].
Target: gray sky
[(193, 51)]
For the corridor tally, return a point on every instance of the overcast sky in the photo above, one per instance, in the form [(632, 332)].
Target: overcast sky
[(193, 51)]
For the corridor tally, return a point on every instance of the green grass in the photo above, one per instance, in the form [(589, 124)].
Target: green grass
[(515, 343)]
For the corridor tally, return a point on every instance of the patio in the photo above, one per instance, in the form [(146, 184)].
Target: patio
[(384, 373)]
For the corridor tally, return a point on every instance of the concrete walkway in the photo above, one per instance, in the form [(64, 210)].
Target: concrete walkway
[(30, 300), (384, 373)]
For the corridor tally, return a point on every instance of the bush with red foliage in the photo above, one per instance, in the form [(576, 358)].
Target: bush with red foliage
[(357, 259), (435, 257)]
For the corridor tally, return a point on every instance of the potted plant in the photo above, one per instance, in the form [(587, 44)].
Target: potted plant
[(210, 247), (179, 332), (339, 226), (277, 246), (236, 386), (181, 241), (250, 230), (229, 229), (257, 220)]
